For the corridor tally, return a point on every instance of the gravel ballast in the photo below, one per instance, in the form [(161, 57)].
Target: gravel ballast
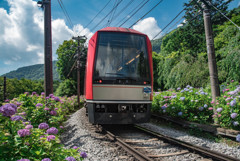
[(78, 132), (206, 143)]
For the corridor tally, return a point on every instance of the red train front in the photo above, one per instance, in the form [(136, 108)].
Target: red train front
[(119, 77)]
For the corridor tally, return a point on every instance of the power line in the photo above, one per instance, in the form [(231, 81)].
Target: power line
[(95, 16), (112, 14), (134, 13), (225, 16), (129, 13), (124, 8), (106, 16), (168, 24), (146, 13), (65, 13)]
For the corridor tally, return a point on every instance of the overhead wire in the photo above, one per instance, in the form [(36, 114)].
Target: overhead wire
[(146, 13), (105, 16), (65, 13), (135, 12), (168, 24), (95, 16), (224, 15), (129, 13), (112, 14), (121, 11)]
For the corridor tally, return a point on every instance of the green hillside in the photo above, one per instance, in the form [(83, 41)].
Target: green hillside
[(32, 72), (180, 57)]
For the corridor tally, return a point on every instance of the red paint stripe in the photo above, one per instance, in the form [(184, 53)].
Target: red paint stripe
[(116, 87)]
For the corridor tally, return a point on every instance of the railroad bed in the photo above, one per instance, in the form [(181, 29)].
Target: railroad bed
[(98, 147)]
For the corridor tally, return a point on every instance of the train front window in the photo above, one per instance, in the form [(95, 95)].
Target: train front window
[(121, 56)]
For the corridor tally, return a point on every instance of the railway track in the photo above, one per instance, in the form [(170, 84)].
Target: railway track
[(231, 134), (146, 145)]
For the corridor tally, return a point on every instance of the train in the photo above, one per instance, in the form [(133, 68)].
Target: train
[(119, 77)]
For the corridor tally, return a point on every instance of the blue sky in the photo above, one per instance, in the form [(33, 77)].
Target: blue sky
[(21, 25)]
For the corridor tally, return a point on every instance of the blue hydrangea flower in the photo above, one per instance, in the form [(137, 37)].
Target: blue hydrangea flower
[(163, 107), (23, 132), (233, 115), (182, 98), (219, 110), (180, 113), (43, 126), (235, 123), (75, 147), (205, 106), (7, 110), (16, 118), (83, 155), (233, 103), (52, 130), (50, 137), (46, 159), (39, 104), (57, 99), (238, 138), (70, 159), (200, 108)]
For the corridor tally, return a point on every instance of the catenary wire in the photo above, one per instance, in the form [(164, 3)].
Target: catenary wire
[(146, 13), (95, 16), (105, 16), (124, 8), (65, 13), (112, 14), (134, 13), (224, 15), (129, 13), (168, 24)]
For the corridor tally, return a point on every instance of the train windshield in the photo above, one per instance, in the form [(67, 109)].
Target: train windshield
[(121, 56)]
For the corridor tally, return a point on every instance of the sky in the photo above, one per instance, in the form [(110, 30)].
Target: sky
[(22, 30)]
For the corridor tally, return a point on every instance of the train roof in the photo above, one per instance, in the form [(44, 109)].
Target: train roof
[(120, 29)]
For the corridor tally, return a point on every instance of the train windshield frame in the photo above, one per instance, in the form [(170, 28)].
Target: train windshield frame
[(121, 56)]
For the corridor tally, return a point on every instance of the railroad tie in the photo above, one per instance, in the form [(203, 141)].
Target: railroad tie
[(169, 154)]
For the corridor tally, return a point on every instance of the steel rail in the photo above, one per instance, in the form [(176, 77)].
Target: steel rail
[(204, 151), (188, 125), (136, 154)]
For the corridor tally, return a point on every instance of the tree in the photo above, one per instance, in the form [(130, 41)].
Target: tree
[(67, 62)]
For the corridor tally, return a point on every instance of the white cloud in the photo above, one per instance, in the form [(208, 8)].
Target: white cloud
[(22, 35), (148, 26), (184, 21)]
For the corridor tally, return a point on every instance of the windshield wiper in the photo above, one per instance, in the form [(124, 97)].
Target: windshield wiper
[(114, 73)]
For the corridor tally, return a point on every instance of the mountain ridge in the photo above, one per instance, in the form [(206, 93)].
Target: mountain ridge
[(32, 72)]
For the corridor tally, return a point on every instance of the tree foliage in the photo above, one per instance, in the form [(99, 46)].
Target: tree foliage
[(67, 88), (15, 87), (183, 60), (67, 62)]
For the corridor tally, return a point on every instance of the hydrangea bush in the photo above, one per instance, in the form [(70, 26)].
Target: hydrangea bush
[(195, 104), (30, 126)]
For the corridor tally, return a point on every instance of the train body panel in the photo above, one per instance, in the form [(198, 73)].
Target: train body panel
[(119, 77)]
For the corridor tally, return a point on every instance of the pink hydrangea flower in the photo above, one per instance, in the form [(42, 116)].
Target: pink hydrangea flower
[(50, 137), (23, 132)]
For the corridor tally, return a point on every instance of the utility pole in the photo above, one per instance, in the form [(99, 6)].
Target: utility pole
[(4, 88), (79, 64), (211, 52), (48, 79)]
